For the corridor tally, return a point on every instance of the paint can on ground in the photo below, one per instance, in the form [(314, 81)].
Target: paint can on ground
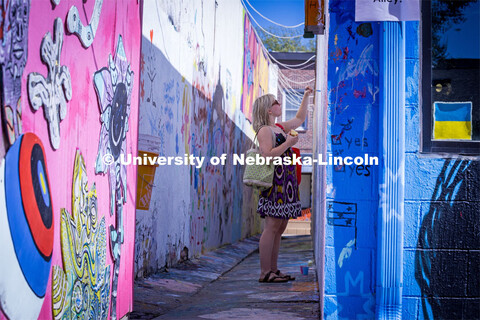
[(304, 270)]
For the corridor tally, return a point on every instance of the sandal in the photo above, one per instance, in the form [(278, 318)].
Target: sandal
[(272, 278), (287, 276)]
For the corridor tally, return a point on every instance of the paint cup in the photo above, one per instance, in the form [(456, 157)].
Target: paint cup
[(304, 270)]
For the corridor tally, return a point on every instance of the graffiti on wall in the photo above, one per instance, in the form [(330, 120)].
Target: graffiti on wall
[(14, 17), (26, 228), (148, 64), (449, 234), (255, 70), (352, 190), (165, 97), (55, 90), (354, 285), (113, 85), (356, 73), (82, 290), (36, 98), (342, 214), (189, 118), (86, 34), (145, 245)]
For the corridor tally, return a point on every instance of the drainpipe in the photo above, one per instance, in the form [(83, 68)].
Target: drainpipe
[(391, 179)]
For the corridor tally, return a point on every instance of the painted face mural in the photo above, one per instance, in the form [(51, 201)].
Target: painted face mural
[(118, 116), (13, 57), (26, 228), (17, 27), (453, 223), (113, 85)]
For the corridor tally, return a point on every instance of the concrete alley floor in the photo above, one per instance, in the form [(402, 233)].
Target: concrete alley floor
[(224, 285)]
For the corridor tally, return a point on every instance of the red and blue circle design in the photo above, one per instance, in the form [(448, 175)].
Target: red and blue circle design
[(29, 212)]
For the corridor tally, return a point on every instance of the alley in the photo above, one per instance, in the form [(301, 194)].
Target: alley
[(192, 293)]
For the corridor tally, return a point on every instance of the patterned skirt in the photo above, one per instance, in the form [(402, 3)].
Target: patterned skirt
[(282, 200)]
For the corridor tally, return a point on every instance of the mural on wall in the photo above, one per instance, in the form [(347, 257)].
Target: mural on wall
[(113, 85), (39, 98), (255, 70), (145, 245), (352, 190), (83, 289), (55, 90), (190, 106), (216, 210), (189, 119), (446, 265), (151, 68), (14, 19), (86, 34), (342, 214), (165, 99), (26, 228)]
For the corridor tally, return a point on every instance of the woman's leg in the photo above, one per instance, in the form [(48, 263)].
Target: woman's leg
[(276, 245), (266, 245)]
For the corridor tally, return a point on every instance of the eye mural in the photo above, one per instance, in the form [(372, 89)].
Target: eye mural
[(14, 16), (26, 228), (118, 116), (82, 291), (113, 85), (55, 90)]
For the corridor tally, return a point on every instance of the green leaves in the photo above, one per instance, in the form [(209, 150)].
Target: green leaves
[(273, 43)]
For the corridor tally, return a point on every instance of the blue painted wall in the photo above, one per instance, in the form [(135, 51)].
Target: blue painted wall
[(442, 196), (352, 191), (442, 219)]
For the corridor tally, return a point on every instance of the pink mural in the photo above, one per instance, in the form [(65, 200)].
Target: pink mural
[(255, 70), (80, 130)]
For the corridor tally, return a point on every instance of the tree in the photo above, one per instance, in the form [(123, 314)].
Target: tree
[(273, 43)]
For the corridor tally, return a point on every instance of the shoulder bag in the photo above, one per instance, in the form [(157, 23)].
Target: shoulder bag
[(256, 175)]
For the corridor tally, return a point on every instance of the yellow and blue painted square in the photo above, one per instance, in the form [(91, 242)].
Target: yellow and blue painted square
[(452, 121)]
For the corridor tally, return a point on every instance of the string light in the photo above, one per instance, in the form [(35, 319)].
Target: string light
[(273, 35), (278, 24), (291, 95)]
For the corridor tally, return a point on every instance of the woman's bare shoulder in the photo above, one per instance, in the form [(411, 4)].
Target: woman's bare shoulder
[(265, 130)]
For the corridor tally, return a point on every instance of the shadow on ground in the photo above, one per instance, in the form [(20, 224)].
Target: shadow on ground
[(224, 285)]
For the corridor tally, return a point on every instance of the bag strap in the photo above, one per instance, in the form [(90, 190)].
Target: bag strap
[(280, 126)]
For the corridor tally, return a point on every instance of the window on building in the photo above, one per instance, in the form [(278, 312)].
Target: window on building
[(451, 76), (291, 102)]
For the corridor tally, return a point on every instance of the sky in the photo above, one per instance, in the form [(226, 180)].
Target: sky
[(286, 12), (292, 12)]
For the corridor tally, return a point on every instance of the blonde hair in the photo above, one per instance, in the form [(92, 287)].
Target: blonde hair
[(260, 110)]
